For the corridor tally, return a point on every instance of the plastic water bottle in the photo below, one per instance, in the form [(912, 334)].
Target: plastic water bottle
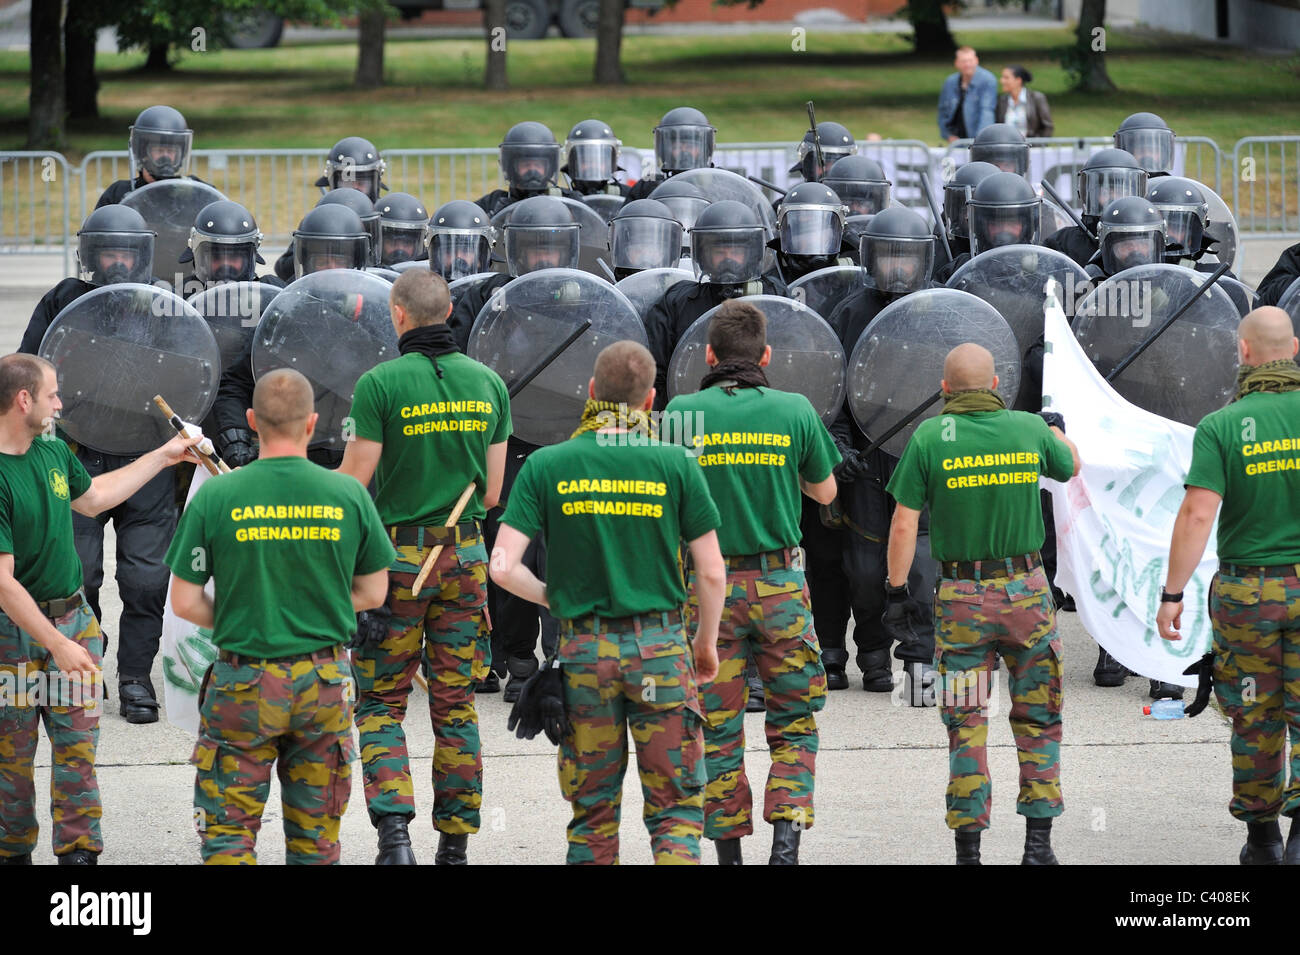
[(1165, 710)]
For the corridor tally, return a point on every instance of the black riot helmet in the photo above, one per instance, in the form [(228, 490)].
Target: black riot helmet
[(684, 200), (403, 225), (541, 234), (1149, 139), (591, 152), (683, 140), (860, 183), (897, 250), (1004, 210), (1108, 174), (727, 244), (1186, 211), (365, 210), (354, 163), (1131, 232), (811, 220), (644, 234), (855, 227), (223, 243), (461, 237), (1002, 145), (331, 236), (159, 142), (115, 245), (957, 192), (836, 142), (529, 158)]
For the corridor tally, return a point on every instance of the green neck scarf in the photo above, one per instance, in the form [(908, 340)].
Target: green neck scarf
[(1273, 377), (613, 414), (976, 399)]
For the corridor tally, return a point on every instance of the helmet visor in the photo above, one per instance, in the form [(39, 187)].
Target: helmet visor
[(530, 249), (108, 258), (364, 181), (1008, 157), (728, 256), (400, 241), (1184, 231), (530, 167), (164, 154), (1152, 148), (810, 231), (454, 255), (862, 198), (955, 197), (645, 243), (1126, 250), (592, 161), (313, 253), (1099, 186), (994, 226), (683, 147), (224, 261), (897, 266)]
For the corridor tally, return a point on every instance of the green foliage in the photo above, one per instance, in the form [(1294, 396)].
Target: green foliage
[(145, 23)]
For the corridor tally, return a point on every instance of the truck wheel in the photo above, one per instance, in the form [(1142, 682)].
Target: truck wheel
[(527, 19), (579, 18), (255, 30)]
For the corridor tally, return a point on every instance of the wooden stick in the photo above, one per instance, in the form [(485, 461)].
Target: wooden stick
[(212, 462), (452, 521)]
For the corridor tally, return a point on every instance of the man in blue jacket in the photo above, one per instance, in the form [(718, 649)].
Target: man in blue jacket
[(968, 98)]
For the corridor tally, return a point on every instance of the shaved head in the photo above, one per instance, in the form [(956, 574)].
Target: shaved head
[(282, 403), (625, 373), (1268, 335), (967, 367)]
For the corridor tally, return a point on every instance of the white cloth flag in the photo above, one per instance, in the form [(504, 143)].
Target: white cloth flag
[(187, 651), (1115, 519)]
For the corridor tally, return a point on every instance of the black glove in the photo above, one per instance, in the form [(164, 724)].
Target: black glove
[(1203, 670), (1053, 419), (851, 467), (901, 616), (237, 447), (372, 627), (540, 707)]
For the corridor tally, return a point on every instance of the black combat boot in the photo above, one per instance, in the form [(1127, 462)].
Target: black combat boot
[(1038, 843), (79, 857), (968, 846), (1108, 671), (394, 841), (138, 703), (835, 662), (877, 674), (489, 684), (1292, 843), (728, 851), (1165, 691), (24, 859), (520, 669), (452, 849), (785, 843), (757, 699), (1263, 844)]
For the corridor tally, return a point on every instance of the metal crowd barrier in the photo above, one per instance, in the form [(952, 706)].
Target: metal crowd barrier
[(1266, 186), (36, 214)]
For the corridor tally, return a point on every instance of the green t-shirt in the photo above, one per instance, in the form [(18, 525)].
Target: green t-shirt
[(753, 446), (979, 474), (36, 494), (282, 539), (1249, 454), (435, 432), (613, 517)]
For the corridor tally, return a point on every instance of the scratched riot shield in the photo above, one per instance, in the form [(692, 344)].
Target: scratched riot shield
[(593, 233), (169, 207), (645, 288), (1186, 373), (897, 363), (605, 204), (720, 184), (1221, 227), (332, 326), (400, 267), (232, 310), (540, 321), (807, 356), (823, 290), (115, 348), (1290, 303), (458, 287), (1241, 294)]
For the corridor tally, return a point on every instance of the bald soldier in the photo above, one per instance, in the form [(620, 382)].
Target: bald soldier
[(977, 467), (613, 505), (1246, 457)]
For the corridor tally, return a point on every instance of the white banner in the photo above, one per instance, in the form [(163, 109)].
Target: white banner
[(187, 652), (1115, 519)]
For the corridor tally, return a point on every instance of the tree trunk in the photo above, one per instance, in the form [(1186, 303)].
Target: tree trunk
[(157, 61), (930, 32), (609, 42), (494, 25), (46, 104), (1090, 41), (370, 49), (81, 85)]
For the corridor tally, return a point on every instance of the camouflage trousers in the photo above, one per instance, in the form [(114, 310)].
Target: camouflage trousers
[(631, 673), (1257, 682), (30, 685), (766, 618), (295, 714), (1013, 617), (443, 632)]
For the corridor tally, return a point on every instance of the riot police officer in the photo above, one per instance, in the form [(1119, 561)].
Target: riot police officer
[(1002, 210), (956, 194), (1107, 174), (460, 240), (352, 199), (354, 163), (403, 225), (860, 183), (591, 153), (644, 234), (1131, 233), (530, 162), (224, 243), (1149, 140), (836, 143), (1001, 145), (684, 139), (1186, 212), (810, 232), (159, 144)]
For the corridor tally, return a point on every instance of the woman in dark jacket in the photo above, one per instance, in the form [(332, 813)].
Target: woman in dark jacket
[(1022, 107)]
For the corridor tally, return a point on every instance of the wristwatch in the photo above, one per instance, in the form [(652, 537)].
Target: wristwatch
[(1167, 598)]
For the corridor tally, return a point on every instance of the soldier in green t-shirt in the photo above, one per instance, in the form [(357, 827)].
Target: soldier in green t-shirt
[(50, 642), (613, 505), (1247, 458), (426, 425), (293, 551), (758, 448), (977, 467)]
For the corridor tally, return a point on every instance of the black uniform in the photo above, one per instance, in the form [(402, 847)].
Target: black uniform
[(469, 304), (1074, 242), (499, 199), (1280, 277), (118, 190)]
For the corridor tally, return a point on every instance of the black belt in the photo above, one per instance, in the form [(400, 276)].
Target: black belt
[(414, 535), (992, 567), (594, 623), (767, 560), (1272, 570), (323, 655), (54, 609)]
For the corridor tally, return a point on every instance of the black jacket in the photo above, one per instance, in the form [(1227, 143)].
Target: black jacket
[(1073, 242), (499, 199), (469, 304), (1280, 277), (48, 308), (117, 191)]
